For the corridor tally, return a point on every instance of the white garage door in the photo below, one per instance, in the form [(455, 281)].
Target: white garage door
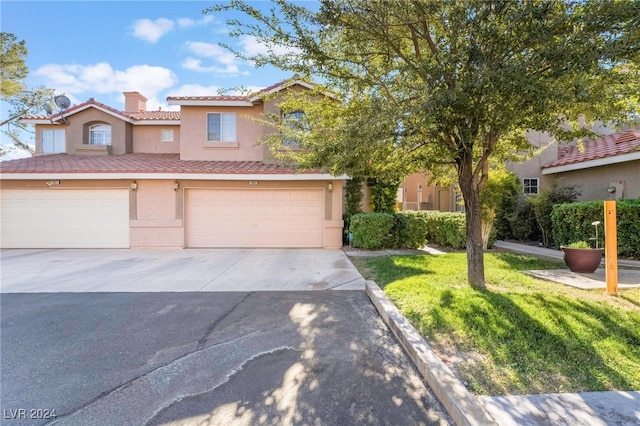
[(63, 218), (255, 218)]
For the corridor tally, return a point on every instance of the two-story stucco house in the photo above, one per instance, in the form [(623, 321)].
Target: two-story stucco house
[(105, 178)]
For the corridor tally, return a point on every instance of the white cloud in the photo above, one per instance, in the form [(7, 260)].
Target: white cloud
[(151, 31), (224, 62), (188, 22), (252, 46), (78, 81)]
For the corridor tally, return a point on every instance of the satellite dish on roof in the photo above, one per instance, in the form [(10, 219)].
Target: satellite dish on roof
[(62, 101)]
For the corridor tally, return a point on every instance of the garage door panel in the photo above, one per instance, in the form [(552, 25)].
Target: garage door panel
[(255, 218), (65, 219)]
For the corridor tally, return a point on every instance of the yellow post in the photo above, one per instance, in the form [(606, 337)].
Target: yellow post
[(611, 246)]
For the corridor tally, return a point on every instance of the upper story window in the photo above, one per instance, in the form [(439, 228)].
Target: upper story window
[(293, 122), (100, 134), (530, 186), (166, 135), (221, 127), (53, 141)]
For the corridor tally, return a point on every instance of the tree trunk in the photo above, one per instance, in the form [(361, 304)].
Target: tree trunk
[(473, 213)]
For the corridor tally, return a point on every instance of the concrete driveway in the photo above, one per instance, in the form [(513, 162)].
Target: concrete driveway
[(107, 270), (124, 344)]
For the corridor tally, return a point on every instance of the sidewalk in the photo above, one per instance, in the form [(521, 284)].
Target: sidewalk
[(566, 409)]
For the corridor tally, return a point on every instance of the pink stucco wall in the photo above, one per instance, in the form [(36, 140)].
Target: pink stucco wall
[(193, 135), (149, 139)]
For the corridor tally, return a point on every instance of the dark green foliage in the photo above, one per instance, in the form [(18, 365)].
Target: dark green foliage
[(447, 228), (353, 197), (543, 205), (383, 230), (523, 224), (506, 211), (371, 230), (384, 194), (410, 231), (573, 222)]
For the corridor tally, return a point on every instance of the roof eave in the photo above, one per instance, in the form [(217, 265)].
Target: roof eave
[(195, 102), (173, 176), (616, 159)]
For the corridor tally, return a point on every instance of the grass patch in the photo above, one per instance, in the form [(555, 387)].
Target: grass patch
[(521, 335)]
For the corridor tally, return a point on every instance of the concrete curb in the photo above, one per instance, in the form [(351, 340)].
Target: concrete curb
[(463, 407)]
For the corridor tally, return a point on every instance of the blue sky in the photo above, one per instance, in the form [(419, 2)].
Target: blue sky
[(99, 49)]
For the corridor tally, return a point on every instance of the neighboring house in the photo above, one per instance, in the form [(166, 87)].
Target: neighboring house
[(605, 168), (417, 192), (105, 178)]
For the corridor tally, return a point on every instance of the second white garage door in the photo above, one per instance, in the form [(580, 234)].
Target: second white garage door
[(254, 218), (65, 218)]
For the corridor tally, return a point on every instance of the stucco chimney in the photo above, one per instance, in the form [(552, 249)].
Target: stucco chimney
[(134, 102)]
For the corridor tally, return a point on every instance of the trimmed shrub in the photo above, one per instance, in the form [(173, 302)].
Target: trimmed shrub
[(371, 230), (410, 231), (448, 228), (572, 222)]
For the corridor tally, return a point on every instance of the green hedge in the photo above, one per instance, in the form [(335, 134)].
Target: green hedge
[(371, 230), (384, 230), (572, 222)]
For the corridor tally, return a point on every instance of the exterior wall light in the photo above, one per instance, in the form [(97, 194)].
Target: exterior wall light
[(134, 185), (51, 183), (330, 187), (253, 182), (176, 186)]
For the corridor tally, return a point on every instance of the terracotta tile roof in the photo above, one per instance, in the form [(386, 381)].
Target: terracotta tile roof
[(208, 98), (606, 146), (138, 163), (155, 115), (142, 115)]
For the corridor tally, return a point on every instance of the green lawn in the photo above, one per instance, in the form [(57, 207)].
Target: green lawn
[(521, 335)]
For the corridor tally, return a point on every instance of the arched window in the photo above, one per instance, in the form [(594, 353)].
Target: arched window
[(100, 134)]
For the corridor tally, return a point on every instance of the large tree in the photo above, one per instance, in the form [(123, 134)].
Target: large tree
[(428, 85), (19, 98)]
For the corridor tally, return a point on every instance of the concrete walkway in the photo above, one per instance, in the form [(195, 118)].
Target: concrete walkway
[(587, 408)]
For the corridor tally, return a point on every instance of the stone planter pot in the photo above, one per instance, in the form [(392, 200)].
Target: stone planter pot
[(582, 260)]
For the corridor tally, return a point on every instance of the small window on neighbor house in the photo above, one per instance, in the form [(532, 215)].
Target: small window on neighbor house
[(293, 123), (167, 135), (53, 141), (221, 127), (530, 186), (100, 134)]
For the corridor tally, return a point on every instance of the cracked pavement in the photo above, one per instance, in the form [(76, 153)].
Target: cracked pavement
[(213, 358)]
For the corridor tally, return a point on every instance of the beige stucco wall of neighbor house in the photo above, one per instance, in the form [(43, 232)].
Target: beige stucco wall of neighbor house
[(148, 139), (193, 135), (594, 181), (532, 168)]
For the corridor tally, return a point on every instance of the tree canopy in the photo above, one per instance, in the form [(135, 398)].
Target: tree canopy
[(447, 85), (14, 92)]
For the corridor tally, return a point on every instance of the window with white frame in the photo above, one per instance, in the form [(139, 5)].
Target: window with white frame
[(221, 127), (530, 186), (100, 134), (166, 135), (53, 141), (294, 124)]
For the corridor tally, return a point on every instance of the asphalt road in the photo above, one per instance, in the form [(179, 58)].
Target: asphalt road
[(241, 358)]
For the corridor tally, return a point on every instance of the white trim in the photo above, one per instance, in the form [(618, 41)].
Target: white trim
[(169, 176), (631, 156), (204, 102)]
